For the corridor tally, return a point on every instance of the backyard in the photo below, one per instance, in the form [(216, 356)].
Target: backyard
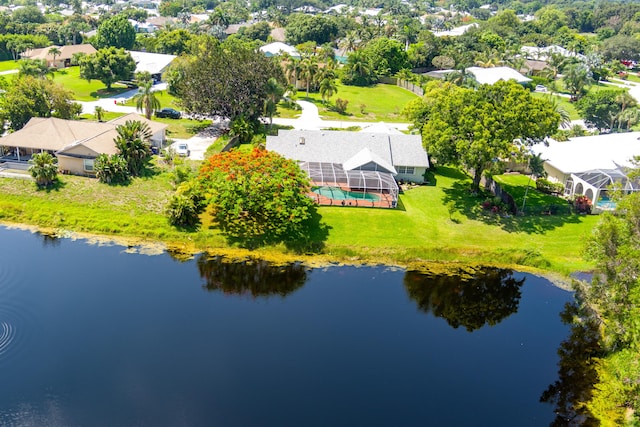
[(441, 222)]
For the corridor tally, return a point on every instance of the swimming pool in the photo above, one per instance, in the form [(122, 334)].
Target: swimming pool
[(336, 193), (605, 203)]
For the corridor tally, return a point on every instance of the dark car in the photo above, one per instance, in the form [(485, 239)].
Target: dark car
[(168, 112)]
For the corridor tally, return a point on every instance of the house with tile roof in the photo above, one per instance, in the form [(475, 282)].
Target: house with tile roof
[(75, 143), (61, 60)]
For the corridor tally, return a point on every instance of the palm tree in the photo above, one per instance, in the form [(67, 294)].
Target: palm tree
[(630, 116), (55, 52), (274, 94), (146, 99), (328, 88), (133, 144), (565, 117), (576, 77), (554, 65), (350, 41), (462, 78), (98, 112), (44, 168), (292, 71), (624, 100), (359, 64), (308, 71)]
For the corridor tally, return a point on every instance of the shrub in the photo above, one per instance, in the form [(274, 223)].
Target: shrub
[(111, 169), (185, 206), (582, 204), (341, 105), (549, 187), (44, 169), (494, 204)]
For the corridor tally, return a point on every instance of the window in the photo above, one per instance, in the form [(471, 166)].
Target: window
[(88, 165), (407, 170)]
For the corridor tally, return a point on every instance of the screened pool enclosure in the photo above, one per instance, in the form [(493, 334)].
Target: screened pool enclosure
[(332, 185), (595, 184)]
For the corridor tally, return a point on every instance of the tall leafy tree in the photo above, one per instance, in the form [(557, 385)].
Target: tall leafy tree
[(303, 28), (146, 99), (225, 82), (31, 97), (256, 197), (108, 65), (387, 56), (474, 128), (600, 109), (133, 145), (116, 32)]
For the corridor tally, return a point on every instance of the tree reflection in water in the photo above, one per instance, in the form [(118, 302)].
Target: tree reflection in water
[(466, 298), (253, 277), (576, 373)]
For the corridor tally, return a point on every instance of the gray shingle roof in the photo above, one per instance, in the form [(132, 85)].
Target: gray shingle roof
[(340, 146)]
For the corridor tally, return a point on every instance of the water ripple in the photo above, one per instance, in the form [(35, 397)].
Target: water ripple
[(7, 332), (16, 329)]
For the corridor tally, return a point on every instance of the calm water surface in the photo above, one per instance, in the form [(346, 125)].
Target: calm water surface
[(94, 336)]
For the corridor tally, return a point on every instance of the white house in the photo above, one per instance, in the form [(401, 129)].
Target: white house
[(278, 48), (494, 74), (153, 63), (486, 75), (589, 165)]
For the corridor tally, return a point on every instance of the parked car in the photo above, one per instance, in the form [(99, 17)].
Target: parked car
[(182, 150), (168, 112), (541, 88)]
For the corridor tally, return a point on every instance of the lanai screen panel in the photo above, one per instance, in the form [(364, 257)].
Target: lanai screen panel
[(367, 181)]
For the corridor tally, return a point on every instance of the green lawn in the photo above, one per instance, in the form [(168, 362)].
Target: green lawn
[(562, 101), (178, 128), (633, 77), (183, 128), (420, 230), (381, 102), (9, 65), (516, 185), (82, 89), (166, 100)]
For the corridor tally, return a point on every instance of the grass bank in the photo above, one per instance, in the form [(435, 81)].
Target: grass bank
[(422, 229)]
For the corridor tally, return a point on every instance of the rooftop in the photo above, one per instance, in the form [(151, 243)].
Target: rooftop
[(587, 153)]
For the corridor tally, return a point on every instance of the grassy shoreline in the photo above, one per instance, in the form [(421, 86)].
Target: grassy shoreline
[(421, 231)]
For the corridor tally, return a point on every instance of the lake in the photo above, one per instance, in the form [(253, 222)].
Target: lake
[(95, 336)]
